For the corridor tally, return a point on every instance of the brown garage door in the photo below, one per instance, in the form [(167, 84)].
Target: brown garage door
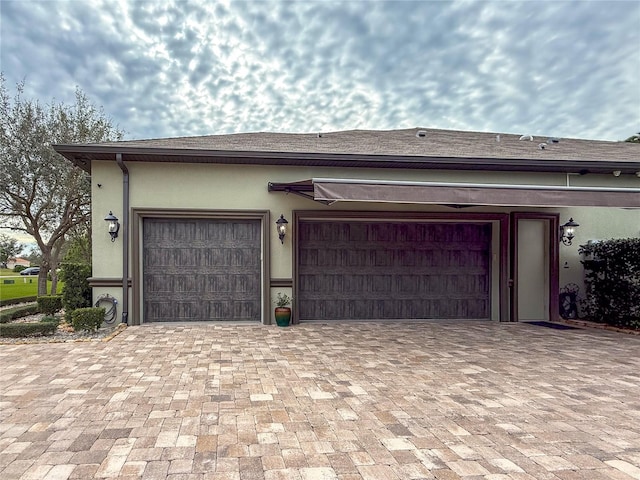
[(201, 269), (370, 270)]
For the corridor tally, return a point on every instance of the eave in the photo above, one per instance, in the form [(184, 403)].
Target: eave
[(83, 155)]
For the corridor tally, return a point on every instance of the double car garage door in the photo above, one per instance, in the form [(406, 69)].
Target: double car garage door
[(210, 269), (376, 270)]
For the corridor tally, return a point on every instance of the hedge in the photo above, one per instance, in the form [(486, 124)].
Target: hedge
[(14, 301), (16, 330), (51, 319), (612, 278), (18, 312), (87, 319), (50, 304)]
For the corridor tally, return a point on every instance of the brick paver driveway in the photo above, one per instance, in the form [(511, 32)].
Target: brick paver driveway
[(348, 401)]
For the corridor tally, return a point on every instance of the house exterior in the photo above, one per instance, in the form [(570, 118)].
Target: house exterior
[(381, 225), (13, 262)]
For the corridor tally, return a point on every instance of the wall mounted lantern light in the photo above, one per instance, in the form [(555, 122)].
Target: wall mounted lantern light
[(567, 231), (281, 226), (114, 226)]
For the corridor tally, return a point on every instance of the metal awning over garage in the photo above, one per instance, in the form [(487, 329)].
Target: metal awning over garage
[(331, 190)]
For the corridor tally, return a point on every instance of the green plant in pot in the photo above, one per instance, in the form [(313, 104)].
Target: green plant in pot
[(283, 311)]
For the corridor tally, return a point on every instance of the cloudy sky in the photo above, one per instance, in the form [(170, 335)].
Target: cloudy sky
[(178, 67)]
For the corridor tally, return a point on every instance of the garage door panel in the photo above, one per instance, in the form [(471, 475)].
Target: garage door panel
[(354, 284), (216, 256), (243, 257), (158, 309), (370, 270), (410, 285), (245, 284), (216, 284), (188, 257), (201, 269)]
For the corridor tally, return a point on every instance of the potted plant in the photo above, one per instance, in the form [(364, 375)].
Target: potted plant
[(283, 311)]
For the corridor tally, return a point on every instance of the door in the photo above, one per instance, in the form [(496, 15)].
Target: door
[(534, 258), (364, 270), (201, 269), (533, 270)]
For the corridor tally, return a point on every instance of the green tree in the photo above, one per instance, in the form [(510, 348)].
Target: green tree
[(33, 255), (9, 248), (77, 292), (41, 193), (78, 250)]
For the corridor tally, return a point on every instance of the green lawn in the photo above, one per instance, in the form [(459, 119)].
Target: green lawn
[(26, 286)]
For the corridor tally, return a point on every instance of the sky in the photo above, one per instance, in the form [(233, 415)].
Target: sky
[(170, 68)]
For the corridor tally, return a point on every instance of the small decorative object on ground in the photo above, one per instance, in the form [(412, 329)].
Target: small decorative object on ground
[(283, 311), (569, 301)]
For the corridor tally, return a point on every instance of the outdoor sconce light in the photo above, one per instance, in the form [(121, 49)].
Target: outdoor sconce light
[(566, 231), (281, 226), (114, 226)]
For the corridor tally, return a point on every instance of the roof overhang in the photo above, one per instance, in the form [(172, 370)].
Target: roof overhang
[(331, 190), (84, 155)]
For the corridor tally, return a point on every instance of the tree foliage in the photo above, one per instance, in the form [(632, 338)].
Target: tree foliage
[(612, 277), (78, 249), (34, 255), (634, 138), (9, 248), (41, 193)]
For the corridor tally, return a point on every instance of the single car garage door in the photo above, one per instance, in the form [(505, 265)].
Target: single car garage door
[(375, 270), (201, 269)]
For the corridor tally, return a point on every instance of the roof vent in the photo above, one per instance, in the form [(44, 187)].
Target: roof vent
[(497, 138), (542, 146), (553, 140), (319, 135), (421, 133), (527, 137)]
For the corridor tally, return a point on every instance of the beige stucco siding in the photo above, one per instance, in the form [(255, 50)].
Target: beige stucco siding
[(595, 224), (213, 187), (106, 195)]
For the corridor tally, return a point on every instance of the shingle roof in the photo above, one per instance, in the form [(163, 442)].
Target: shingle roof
[(435, 143), (375, 148)]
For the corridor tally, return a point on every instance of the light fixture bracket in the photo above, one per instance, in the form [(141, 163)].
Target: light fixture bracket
[(114, 225), (281, 226), (567, 232)]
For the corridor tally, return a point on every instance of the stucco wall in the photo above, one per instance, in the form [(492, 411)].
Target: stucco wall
[(595, 224), (244, 187)]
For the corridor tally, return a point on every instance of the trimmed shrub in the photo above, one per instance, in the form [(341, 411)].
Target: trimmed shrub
[(76, 292), (16, 330), (87, 319), (17, 312), (14, 301), (19, 268), (50, 304), (50, 319), (612, 278)]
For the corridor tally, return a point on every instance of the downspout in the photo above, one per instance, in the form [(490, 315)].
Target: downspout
[(125, 238)]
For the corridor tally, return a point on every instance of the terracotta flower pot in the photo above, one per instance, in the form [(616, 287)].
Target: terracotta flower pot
[(283, 316)]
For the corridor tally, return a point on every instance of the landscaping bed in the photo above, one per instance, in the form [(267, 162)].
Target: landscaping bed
[(62, 333)]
